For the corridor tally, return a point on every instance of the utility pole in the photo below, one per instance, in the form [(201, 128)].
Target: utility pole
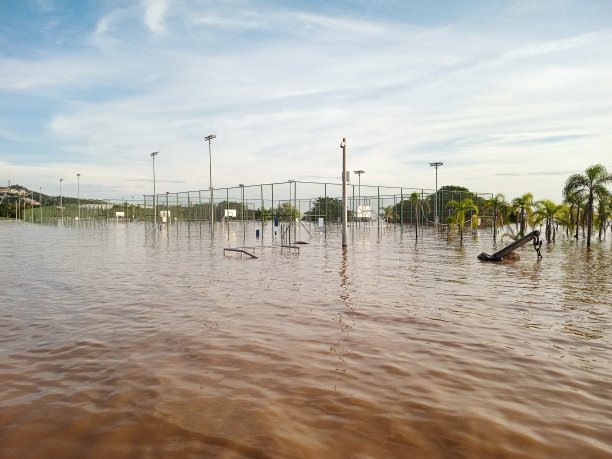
[(344, 177), (209, 138), (436, 165), (153, 155)]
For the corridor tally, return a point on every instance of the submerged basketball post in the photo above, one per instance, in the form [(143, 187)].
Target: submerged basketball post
[(344, 210)]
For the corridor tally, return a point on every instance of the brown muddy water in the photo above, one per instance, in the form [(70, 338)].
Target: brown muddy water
[(116, 342)]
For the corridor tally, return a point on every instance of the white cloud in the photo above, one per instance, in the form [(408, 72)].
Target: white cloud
[(154, 14), (45, 5)]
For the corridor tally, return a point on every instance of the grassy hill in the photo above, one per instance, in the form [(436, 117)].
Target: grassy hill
[(13, 195)]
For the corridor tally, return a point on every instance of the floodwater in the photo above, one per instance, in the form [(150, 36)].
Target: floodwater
[(117, 342)]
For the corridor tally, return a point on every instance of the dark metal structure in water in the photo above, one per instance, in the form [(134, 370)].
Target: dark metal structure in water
[(501, 254)]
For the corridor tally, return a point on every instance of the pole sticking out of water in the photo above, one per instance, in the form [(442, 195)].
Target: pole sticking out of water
[(436, 165), (344, 209), (209, 138), (153, 155)]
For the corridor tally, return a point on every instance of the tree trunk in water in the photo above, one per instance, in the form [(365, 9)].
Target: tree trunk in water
[(577, 222), (589, 220), (494, 224), (416, 221)]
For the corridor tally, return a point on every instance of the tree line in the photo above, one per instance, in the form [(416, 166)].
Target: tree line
[(586, 207)]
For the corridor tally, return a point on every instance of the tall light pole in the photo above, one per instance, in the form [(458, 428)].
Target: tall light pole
[(436, 165), (79, 195), (208, 139), (153, 155), (359, 172), (344, 209), (61, 180), (41, 204)]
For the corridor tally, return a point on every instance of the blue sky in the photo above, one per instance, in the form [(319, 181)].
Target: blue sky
[(513, 96)]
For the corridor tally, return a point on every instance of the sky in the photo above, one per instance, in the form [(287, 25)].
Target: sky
[(512, 96)]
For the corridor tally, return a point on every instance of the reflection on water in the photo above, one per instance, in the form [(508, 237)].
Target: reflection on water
[(118, 341)]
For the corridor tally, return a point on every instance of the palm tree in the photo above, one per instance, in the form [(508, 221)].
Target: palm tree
[(593, 183), (522, 206), (511, 235), (547, 212), (389, 214), (576, 200), (460, 209), (603, 212), (496, 203), (564, 218)]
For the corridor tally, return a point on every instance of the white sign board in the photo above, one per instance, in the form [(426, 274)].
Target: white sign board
[(364, 211), (164, 213), (321, 222), (119, 214), (230, 213)]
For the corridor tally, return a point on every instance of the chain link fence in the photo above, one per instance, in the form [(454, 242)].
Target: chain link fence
[(291, 201)]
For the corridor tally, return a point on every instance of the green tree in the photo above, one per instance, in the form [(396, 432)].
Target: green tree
[(522, 206), (446, 194), (564, 218), (496, 204), (577, 202), (242, 212), (389, 214), (592, 183), (329, 208), (547, 212), (262, 214), (286, 212), (510, 234), (604, 208), (460, 208), (8, 209)]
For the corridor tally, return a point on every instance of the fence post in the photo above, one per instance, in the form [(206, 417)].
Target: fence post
[(378, 211), (325, 221), (401, 210), (262, 213)]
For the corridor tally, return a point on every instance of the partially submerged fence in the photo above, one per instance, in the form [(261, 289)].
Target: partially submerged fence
[(73, 214), (284, 201), (309, 201)]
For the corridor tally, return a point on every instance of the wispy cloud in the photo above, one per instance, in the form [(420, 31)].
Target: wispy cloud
[(154, 14)]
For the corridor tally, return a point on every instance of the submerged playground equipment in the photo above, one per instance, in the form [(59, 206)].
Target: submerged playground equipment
[(501, 254)]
